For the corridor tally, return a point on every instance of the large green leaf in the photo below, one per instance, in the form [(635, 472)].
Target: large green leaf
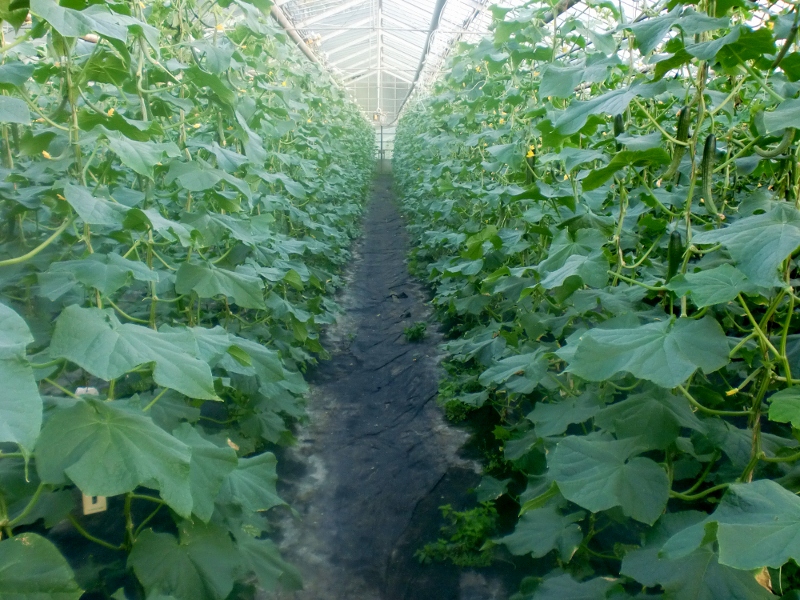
[(598, 474), (104, 272), (209, 467), (252, 484), (712, 286), (544, 529), (655, 417), (613, 102), (139, 156), (93, 210), (20, 403), (757, 525), (784, 406), (759, 243), (621, 160), (554, 418), (95, 340), (786, 114), (560, 82), (199, 566), (665, 352), (520, 373), (263, 558), (209, 281), (698, 576), (108, 450), (32, 568), (561, 586), (14, 110)]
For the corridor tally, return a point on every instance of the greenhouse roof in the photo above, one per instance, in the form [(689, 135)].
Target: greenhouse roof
[(383, 51)]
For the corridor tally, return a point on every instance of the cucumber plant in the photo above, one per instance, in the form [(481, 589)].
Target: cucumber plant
[(621, 304), (179, 191)]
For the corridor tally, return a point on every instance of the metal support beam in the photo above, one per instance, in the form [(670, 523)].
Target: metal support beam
[(435, 21), (329, 13), (370, 72), (278, 15), (380, 57)]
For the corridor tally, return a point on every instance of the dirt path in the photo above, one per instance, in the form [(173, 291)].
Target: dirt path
[(377, 459)]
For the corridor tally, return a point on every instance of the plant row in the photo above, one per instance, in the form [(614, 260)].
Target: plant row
[(609, 221), (179, 191)]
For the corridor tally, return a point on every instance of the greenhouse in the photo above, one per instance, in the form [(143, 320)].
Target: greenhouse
[(399, 300)]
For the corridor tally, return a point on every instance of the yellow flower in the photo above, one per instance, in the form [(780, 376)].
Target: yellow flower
[(502, 121), (283, 84), (529, 154), (60, 197), (46, 154), (110, 112), (196, 125), (478, 69), (220, 27), (566, 176)]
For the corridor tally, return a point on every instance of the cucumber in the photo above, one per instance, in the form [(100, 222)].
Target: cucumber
[(619, 125), (674, 255), (707, 172), (681, 135)]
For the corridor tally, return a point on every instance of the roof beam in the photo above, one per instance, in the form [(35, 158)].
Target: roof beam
[(350, 27), (284, 22), (435, 21), (329, 13)]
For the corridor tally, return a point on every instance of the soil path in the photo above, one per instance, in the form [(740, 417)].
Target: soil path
[(377, 458)]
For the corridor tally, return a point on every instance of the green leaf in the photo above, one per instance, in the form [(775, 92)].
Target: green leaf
[(784, 406), (553, 419), (15, 74), (599, 474), (786, 114), (209, 281), (139, 156), (202, 565), (648, 33), (14, 110), (222, 92), (621, 160), (93, 211), (665, 352), (757, 525), (252, 484), (209, 467), (95, 18), (32, 568), (20, 403), (563, 587), (719, 285), (520, 373), (95, 340), (560, 82), (655, 417), (698, 576), (104, 272), (263, 558), (544, 529), (592, 271), (759, 243), (150, 217), (574, 118), (508, 154), (108, 450)]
